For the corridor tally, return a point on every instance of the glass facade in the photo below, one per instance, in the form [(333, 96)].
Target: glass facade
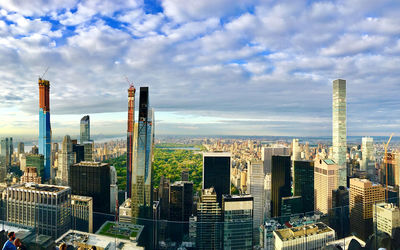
[(216, 173)]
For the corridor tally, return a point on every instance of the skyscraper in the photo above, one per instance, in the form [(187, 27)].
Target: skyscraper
[(303, 183), (368, 158), (256, 189), (21, 148), (237, 216), (339, 218), (85, 129), (36, 161), (386, 217), (339, 130), (6, 150), (217, 173), (268, 152), (142, 202), (130, 139), (44, 126), (325, 181), (363, 195), (82, 213), (66, 157), (280, 182)]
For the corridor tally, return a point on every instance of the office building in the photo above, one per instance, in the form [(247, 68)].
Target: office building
[(36, 161), (280, 182), (66, 158), (325, 181), (82, 213), (3, 169), (180, 205), (6, 150), (393, 170), (88, 151), (142, 187), (256, 189), (268, 152), (217, 173), (185, 175), (21, 148), (339, 136), (44, 126), (296, 150), (363, 195), (368, 155), (163, 197), (237, 221), (314, 236), (125, 211), (31, 175), (92, 179), (290, 206), (386, 217), (113, 190), (209, 226), (267, 196), (85, 129), (339, 216), (130, 142), (47, 208), (34, 150), (303, 183)]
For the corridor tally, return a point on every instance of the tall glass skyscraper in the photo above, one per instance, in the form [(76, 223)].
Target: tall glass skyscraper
[(44, 126), (142, 201), (339, 129), (85, 129), (130, 139)]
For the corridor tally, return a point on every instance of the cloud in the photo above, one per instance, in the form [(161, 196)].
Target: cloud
[(265, 64)]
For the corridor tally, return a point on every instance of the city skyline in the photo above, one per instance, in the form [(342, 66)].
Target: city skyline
[(274, 82)]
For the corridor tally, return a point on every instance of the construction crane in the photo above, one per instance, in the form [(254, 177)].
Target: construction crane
[(386, 166)]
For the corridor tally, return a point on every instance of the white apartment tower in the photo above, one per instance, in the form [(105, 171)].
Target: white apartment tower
[(339, 132), (367, 147)]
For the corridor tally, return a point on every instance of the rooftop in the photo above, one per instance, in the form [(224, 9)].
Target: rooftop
[(40, 187), (302, 231), (216, 154), (81, 198), (329, 162), (121, 230), (91, 164)]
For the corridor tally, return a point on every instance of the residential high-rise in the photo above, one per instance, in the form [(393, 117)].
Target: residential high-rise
[(280, 182), (237, 218), (267, 196), (255, 187), (386, 217), (85, 129), (217, 173), (92, 179), (82, 213), (66, 157), (31, 175), (21, 148), (6, 150), (368, 158), (314, 236), (130, 142), (363, 195), (47, 208), (142, 186), (296, 150), (209, 226), (339, 136), (325, 181), (303, 183), (44, 126)]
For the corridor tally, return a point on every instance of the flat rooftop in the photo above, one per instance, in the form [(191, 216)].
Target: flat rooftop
[(302, 231), (77, 238), (216, 154), (91, 164), (81, 198), (121, 230), (39, 187)]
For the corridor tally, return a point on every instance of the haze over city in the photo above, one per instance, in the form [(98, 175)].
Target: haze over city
[(219, 67)]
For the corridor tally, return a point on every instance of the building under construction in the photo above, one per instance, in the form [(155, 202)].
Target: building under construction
[(130, 149), (44, 126)]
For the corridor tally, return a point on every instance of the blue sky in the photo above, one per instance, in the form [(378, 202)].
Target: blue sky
[(213, 66)]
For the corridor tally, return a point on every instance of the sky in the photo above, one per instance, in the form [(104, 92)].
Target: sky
[(213, 67)]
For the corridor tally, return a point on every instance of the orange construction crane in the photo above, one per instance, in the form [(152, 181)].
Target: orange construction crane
[(386, 166)]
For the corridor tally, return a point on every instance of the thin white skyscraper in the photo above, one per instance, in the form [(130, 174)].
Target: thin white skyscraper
[(368, 157), (339, 130)]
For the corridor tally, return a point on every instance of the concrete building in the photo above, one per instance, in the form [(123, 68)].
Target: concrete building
[(368, 155), (256, 189), (237, 221), (31, 175), (386, 217), (130, 139), (44, 207), (296, 150), (363, 195), (267, 196), (125, 211), (313, 236), (339, 129), (325, 181), (209, 226), (82, 213)]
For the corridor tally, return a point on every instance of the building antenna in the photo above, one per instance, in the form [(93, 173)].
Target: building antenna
[(41, 77)]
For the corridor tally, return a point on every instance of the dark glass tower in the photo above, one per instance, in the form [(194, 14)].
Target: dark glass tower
[(85, 129), (280, 182), (304, 183), (217, 173)]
